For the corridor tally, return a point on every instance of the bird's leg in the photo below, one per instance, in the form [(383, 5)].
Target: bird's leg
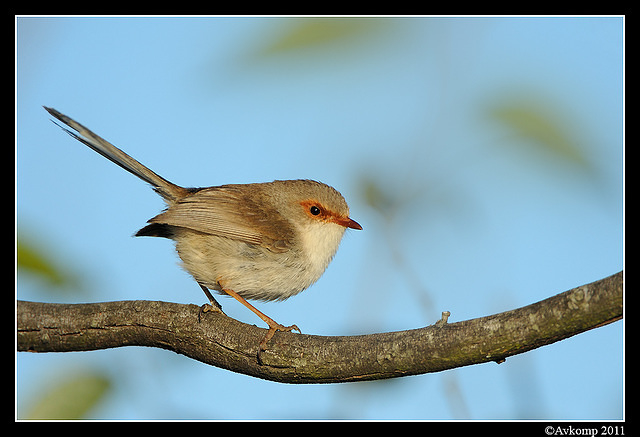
[(273, 325), (213, 306)]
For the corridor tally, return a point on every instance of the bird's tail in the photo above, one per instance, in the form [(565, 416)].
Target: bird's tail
[(169, 191)]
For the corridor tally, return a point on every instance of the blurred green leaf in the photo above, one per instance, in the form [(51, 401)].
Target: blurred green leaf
[(541, 126), (31, 260), (373, 195), (392, 198), (34, 260), (72, 398), (310, 33)]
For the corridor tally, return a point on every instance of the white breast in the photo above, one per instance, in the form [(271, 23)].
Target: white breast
[(320, 241)]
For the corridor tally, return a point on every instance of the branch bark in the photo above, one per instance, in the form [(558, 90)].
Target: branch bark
[(221, 341)]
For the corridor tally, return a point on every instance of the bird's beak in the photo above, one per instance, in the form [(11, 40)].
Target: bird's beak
[(347, 223)]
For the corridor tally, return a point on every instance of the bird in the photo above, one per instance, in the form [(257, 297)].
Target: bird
[(257, 241)]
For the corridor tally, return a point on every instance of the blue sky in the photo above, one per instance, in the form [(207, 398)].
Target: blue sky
[(472, 218)]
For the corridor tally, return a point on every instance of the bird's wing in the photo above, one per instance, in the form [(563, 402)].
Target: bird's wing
[(232, 212)]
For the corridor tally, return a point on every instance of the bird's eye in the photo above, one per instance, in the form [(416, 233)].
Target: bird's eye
[(314, 210)]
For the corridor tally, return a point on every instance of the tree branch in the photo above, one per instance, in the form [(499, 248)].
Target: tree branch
[(221, 341)]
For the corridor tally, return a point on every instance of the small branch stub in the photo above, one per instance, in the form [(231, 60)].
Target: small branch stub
[(443, 320)]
